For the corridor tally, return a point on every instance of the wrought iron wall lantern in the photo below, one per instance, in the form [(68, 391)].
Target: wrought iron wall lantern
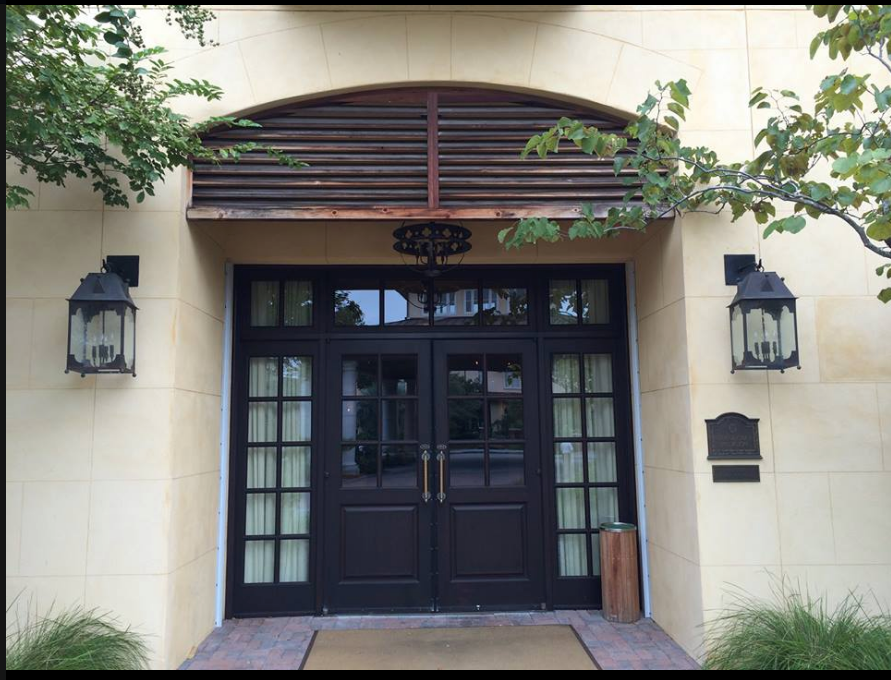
[(102, 320), (432, 245), (763, 322)]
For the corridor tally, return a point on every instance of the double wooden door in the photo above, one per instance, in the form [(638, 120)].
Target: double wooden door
[(432, 476)]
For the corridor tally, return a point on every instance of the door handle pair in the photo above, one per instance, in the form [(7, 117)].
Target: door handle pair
[(426, 496)]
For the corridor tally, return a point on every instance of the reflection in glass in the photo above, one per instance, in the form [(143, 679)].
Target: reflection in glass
[(569, 463), (600, 420), (604, 505), (295, 466), (359, 465), (506, 465), (359, 376), (572, 555), (297, 376), (504, 374), (456, 303), (295, 513), (465, 419), (505, 307), (466, 465), (406, 303), (260, 514), (399, 466), (297, 421), (465, 374), (264, 303), (571, 508), (598, 373), (565, 374), (563, 302), (298, 303), (259, 565), (261, 467), (294, 561), (262, 421), (400, 419), (357, 307), (595, 553), (399, 376), (595, 301), (505, 419), (601, 462), (567, 417), (359, 421), (263, 377)]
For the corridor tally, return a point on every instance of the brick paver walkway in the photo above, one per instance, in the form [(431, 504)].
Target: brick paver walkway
[(281, 643)]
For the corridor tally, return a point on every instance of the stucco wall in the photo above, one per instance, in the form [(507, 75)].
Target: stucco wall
[(112, 482)]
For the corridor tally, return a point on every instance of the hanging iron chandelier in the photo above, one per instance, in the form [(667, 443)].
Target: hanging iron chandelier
[(432, 245)]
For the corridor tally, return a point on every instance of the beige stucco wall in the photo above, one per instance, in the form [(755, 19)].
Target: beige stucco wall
[(112, 482)]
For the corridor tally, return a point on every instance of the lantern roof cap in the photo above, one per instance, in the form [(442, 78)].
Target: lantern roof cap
[(761, 285), (103, 287)]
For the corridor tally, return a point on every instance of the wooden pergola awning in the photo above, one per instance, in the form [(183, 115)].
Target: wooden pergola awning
[(407, 154)]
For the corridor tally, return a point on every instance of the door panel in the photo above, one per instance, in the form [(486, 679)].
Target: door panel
[(488, 515)]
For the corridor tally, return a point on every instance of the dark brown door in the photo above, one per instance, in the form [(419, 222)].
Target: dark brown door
[(488, 476)]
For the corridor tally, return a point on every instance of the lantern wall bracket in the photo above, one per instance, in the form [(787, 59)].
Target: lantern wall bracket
[(736, 267), (125, 266)]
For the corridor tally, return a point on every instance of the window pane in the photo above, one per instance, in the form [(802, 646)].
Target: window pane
[(595, 301), (298, 303), (264, 377), (297, 421), (261, 467), (406, 303), (505, 307), (399, 376), (505, 419), (572, 555), (504, 374), (295, 466), (604, 505), (260, 515), (506, 465), (595, 553), (359, 377), (465, 374), (569, 463), (259, 565), (293, 561), (571, 508), (400, 420), (563, 302), (295, 513), (264, 303), (359, 465), (567, 418), (466, 419), (601, 462), (598, 373), (359, 420), (600, 416), (466, 465), (456, 303), (262, 421), (357, 307), (565, 374), (297, 376), (399, 466)]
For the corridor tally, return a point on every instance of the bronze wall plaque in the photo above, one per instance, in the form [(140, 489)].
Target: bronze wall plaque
[(736, 473), (733, 436)]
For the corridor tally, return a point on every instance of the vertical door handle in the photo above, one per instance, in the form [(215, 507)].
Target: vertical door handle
[(425, 459), (441, 456)]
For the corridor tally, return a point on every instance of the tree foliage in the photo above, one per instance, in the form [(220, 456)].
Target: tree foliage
[(86, 98), (845, 130)]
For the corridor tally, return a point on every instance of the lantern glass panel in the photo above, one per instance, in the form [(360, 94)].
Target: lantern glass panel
[(103, 337), (788, 335), (737, 336), (762, 335)]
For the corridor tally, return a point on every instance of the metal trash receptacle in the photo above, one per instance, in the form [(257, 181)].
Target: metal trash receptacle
[(619, 572)]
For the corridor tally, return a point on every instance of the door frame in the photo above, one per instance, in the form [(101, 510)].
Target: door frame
[(321, 332)]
